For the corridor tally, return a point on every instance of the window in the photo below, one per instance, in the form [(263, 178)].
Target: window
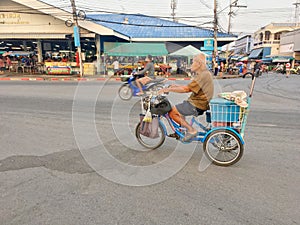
[(277, 36), (261, 37), (267, 35)]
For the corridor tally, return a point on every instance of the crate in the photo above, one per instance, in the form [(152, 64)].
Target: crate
[(224, 111)]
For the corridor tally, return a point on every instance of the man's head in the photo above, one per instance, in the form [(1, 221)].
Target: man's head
[(148, 58), (199, 62)]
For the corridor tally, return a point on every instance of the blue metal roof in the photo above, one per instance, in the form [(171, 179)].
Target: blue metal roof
[(141, 26)]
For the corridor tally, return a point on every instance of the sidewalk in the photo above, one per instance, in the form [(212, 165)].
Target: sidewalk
[(11, 76)]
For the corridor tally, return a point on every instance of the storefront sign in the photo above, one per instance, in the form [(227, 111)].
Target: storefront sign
[(76, 36), (11, 18), (286, 48), (59, 70), (209, 44)]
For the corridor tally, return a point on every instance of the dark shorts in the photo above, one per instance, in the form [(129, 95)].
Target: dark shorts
[(187, 109), (139, 76)]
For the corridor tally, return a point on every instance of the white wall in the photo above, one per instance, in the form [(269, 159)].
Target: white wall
[(16, 22)]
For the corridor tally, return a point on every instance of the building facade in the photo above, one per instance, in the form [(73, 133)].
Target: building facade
[(35, 26), (243, 45), (266, 41), (290, 46)]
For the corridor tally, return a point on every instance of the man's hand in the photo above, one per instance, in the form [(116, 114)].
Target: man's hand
[(173, 85), (175, 88), (162, 91)]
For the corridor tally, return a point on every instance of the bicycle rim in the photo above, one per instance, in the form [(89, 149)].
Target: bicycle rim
[(150, 143), (223, 147)]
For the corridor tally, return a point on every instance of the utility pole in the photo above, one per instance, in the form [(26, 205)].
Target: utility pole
[(215, 52), (173, 7), (297, 4), (233, 3), (77, 36)]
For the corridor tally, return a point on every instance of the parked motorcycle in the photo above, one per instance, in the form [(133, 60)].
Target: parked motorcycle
[(129, 87)]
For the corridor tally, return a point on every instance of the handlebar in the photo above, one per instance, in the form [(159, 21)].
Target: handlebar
[(254, 75)]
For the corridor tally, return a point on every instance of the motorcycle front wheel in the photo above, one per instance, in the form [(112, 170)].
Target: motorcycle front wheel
[(125, 92)]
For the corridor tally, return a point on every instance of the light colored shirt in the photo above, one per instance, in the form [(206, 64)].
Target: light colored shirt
[(116, 65), (202, 87)]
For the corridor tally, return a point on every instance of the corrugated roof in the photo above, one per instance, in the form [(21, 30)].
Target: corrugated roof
[(141, 26)]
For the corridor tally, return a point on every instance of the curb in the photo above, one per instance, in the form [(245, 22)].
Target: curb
[(69, 79), (77, 79)]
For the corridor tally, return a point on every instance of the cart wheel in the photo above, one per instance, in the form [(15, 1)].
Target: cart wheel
[(223, 147)]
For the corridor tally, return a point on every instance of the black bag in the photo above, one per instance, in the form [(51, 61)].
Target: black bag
[(159, 105), (149, 129)]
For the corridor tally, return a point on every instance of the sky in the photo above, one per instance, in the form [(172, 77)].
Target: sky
[(257, 14)]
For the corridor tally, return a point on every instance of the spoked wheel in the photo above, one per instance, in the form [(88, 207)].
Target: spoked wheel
[(223, 147), (125, 92), (150, 143)]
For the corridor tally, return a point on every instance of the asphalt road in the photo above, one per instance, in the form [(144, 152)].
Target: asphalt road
[(48, 177)]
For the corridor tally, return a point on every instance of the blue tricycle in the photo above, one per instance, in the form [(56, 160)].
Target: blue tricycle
[(222, 134)]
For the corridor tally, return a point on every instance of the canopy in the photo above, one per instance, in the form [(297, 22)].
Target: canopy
[(255, 53), (188, 51), (139, 49), (234, 57), (242, 59)]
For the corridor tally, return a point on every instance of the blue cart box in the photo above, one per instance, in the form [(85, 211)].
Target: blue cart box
[(223, 110)]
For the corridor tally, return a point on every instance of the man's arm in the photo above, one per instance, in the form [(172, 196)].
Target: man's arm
[(146, 68), (176, 88)]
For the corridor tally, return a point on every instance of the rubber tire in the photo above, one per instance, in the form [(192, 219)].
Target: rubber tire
[(123, 88), (218, 162), (139, 137)]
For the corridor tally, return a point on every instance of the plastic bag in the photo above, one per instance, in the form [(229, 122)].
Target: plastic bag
[(149, 129)]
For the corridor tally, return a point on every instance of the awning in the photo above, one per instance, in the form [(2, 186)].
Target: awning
[(234, 57), (245, 58), (266, 60), (111, 45), (255, 53), (282, 59), (139, 49)]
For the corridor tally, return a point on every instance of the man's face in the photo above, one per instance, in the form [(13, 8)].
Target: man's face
[(196, 64)]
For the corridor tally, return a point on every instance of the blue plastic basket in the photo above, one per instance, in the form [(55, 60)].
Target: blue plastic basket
[(223, 110)]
